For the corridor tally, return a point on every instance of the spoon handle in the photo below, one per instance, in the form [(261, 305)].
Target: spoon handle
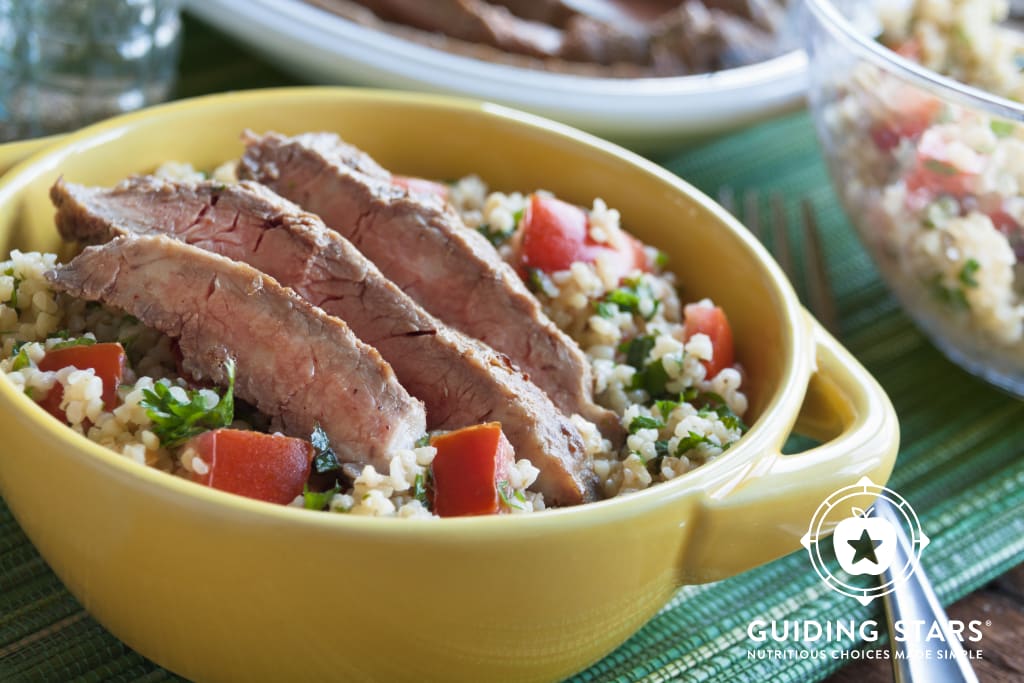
[(915, 659)]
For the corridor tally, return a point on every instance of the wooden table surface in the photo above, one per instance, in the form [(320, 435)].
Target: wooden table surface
[(1002, 649)]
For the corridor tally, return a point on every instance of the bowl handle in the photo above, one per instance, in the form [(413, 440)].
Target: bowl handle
[(763, 515)]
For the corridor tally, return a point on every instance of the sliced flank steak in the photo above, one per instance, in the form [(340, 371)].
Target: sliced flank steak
[(422, 245), (461, 380), (294, 362)]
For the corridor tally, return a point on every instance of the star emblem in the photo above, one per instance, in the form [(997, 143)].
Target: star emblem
[(864, 547)]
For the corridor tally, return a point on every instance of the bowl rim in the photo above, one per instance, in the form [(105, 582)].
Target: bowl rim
[(839, 27), (709, 481)]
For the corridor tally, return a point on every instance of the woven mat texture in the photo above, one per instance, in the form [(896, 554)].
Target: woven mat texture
[(960, 465)]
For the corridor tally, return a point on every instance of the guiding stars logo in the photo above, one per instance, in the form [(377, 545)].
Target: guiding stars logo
[(862, 544)]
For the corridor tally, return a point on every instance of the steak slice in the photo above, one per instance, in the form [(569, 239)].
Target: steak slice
[(422, 245), (462, 381), (294, 362)]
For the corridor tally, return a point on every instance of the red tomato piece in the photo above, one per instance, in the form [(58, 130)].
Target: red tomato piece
[(469, 466), (916, 113), (710, 320), (421, 186), (106, 360), (556, 234), (935, 171), (268, 467)]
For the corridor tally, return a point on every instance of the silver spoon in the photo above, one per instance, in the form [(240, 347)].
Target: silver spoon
[(913, 599)]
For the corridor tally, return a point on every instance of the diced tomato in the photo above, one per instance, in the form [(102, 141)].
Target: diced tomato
[(1004, 222), (556, 234), (469, 466), (917, 111), (710, 320), (421, 186), (268, 467), (936, 172), (909, 49), (106, 360)]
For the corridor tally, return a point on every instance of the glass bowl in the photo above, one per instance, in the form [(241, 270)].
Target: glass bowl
[(931, 174)]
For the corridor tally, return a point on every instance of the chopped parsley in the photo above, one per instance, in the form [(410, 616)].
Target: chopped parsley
[(318, 500), (637, 350), (941, 167), (1002, 129), (175, 421), (651, 377), (660, 260), (325, 459), (422, 441), (422, 488), (716, 405), (968, 272), (69, 343), (538, 282), (952, 297), (605, 309), (644, 422), (940, 211), (691, 441), (629, 297), (495, 236), (13, 301), (507, 496), (666, 406), (21, 359)]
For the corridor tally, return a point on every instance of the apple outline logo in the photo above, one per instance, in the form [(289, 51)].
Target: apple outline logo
[(865, 529), (819, 530)]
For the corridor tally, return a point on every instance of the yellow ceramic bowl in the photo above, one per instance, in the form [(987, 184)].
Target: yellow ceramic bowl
[(219, 588)]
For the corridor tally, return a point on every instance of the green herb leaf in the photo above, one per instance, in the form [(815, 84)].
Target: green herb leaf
[(637, 350), (691, 441), (69, 343), (629, 296), (665, 407), (652, 379), (495, 237), (716, 405), (318, 500), (941, 167), (661, 260), (507, 495), (605, 309), (952, 297), (422, 441), (644, 422), (175, 422), (21, 360), (538, 282), (325, 459), (1002, 129), (13, 301), (422, 487), (968, 272)]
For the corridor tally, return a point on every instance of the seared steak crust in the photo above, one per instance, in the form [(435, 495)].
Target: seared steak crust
[(461, 380), (422, 245), (293, 361)]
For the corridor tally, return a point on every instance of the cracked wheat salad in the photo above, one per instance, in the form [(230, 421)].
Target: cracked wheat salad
[(287, 328)]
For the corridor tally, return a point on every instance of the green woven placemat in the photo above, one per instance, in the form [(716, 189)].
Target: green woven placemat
[(960, 465)]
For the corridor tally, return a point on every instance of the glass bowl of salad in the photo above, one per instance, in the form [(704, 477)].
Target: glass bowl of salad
[(917, 107)]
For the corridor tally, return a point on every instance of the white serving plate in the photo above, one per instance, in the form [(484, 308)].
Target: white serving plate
[(646, 113)]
